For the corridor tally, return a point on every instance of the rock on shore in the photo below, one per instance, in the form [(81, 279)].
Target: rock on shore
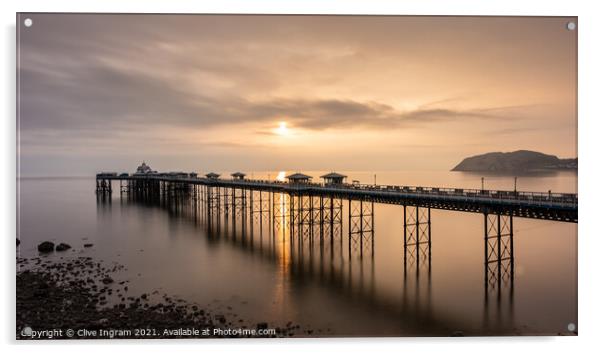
[(79, 293), (62, 247), (46, 247)]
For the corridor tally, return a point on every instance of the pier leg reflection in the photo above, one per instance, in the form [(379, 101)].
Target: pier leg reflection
[(103, 201), (319, 220)]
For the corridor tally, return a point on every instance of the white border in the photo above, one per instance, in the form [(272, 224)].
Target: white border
[(590, 30)]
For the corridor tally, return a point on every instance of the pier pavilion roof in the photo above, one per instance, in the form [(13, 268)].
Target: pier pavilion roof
[(238, 175), (298, 177), (333, 175), (212, 175), (334, 178)]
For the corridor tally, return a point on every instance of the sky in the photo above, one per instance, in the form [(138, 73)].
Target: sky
[(252, 93)]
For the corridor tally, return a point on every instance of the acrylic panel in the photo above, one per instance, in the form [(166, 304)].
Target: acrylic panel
[(258, 176)]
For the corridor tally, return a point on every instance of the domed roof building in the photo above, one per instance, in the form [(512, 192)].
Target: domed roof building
[(144, 169)]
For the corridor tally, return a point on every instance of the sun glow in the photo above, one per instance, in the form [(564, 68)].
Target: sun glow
[(282, 129), (281, 176)]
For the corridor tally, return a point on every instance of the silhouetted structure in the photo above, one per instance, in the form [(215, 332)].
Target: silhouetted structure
[(318, 208), (299, 178), (334, 178), (144, 169), (238, 176)]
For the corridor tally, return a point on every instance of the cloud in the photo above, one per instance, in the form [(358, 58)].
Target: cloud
[(88, 72), (347, 114), (97, 96), (103, 85)]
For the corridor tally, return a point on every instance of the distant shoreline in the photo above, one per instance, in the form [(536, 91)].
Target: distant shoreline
[(55, 177), (521, 161), (511, 173)]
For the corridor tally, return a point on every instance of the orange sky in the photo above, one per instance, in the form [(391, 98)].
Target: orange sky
[(102, 92)]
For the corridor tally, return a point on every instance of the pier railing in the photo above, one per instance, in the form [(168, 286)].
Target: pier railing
[(532, 197)]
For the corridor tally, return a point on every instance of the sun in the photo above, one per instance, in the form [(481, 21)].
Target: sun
[(282, 129), (281, 176)]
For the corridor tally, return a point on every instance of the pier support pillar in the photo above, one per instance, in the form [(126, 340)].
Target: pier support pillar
[(226, 203), (361, 226), (259, 206), (416, 237), (499, 250), (304, 217), (292, 215), (280, 211), (103, 186), (317, 217), (499, 269), (213, 205), (239, 208), (332, 219)]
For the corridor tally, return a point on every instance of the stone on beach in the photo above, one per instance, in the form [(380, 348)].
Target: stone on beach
[(55, 293), (46, 246), (63, 247)]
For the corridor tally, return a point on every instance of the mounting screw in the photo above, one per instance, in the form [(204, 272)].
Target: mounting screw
[(571, 26)]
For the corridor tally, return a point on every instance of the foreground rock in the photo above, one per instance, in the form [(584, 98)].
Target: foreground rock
[(63, 247), (46, 247), (78, 294)]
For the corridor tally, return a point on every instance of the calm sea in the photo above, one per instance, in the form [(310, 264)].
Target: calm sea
[(260, 275)]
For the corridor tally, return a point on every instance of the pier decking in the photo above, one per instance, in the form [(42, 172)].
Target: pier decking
[(540, 205)]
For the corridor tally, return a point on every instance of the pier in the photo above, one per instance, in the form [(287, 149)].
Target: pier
[(313, 211)]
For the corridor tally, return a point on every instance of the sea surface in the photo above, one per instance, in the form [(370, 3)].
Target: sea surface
[(262, 272)]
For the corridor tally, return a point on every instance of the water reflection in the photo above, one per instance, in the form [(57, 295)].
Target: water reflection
[(309, 246)]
